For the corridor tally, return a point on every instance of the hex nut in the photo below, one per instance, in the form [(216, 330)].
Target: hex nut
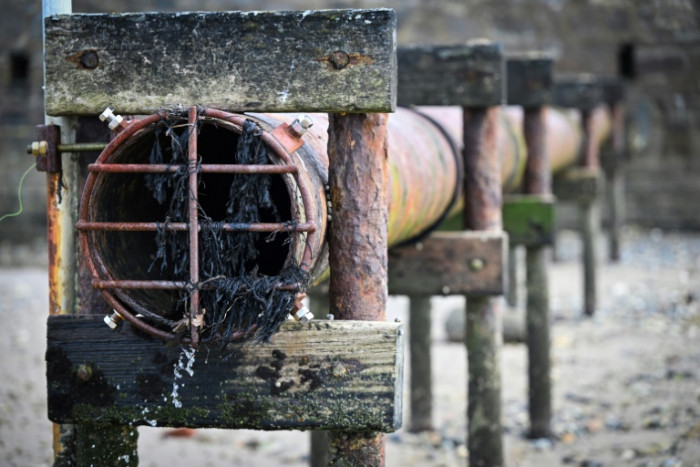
[(303, 315), (113, 320)]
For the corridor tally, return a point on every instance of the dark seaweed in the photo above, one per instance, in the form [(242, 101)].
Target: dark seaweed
[(240, 303)]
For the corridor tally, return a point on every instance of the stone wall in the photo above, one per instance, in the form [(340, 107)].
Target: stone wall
[(662, 38)]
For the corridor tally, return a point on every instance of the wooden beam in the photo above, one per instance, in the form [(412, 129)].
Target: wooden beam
[(468, 75), (581, 92), (322, 375), (331, 60), (530, 78), (430, 267), (577, 184)]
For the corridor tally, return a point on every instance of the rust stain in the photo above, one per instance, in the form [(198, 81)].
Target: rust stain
[(87, 59), (54, 240), (339, 60)]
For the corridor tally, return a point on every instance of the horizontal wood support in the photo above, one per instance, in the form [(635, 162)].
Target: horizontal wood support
[(330, 60), (529, 219), (322, 375), (468, 75), (582, 92), (450, 263), (530, 79), (577, 184)]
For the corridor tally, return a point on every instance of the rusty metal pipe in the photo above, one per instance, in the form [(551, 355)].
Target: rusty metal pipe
[(424, 186)]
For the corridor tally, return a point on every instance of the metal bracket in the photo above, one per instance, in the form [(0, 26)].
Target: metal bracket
[(529, 219), (45, 148)]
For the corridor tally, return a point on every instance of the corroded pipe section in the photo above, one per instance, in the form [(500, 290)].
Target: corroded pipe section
[(424, 179)]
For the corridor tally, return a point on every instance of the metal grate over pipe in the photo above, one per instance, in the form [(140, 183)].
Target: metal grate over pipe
[(111, 287)]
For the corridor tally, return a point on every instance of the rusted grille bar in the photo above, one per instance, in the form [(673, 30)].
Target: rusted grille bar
[(203, 168), (165, 285), (183, 226), (193, 218), (145, 285)]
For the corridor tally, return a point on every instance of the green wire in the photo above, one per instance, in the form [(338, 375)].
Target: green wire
[(19, 195)]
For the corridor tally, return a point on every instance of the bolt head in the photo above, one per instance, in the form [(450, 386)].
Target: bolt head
[(109, 322), (339, 59), (113, 320), (476, 264), (89, 59), (301, 124), (115, 122), (107, 113), (303, 315), (84, 372), (305, 121)]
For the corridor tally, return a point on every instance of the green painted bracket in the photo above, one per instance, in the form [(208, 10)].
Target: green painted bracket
[(529, 219)]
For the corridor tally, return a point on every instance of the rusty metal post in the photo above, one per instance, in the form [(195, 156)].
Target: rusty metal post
[(482, 211), (421, 373), (588, 214), (538, 181), (116, 445), (357, 152)]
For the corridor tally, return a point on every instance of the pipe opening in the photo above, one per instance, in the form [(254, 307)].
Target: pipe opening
[(229, 261)]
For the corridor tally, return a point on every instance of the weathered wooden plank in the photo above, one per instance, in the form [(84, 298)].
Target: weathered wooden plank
[(529, 78), (529, 219), (577, 184), (330, 60), (450, 263), (468, 75), (577, 91), (323, 375)]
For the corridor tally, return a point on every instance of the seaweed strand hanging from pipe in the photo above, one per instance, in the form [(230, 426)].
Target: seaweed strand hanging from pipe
[(241, 303)]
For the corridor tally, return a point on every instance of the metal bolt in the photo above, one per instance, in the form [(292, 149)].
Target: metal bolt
[(38, 148), (339, 59), (339, 370), (476, 264), (113, 320), (113, 121), (301, 124), (89, 59), (84, 372), (303, 315)]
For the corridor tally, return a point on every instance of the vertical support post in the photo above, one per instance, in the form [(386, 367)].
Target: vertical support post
[(421, 380), (357, 152), (59, 214), (512, 297), (82, 444), (318, 305), (537, 181), (482, 211), (616, 183), (587, 216)]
